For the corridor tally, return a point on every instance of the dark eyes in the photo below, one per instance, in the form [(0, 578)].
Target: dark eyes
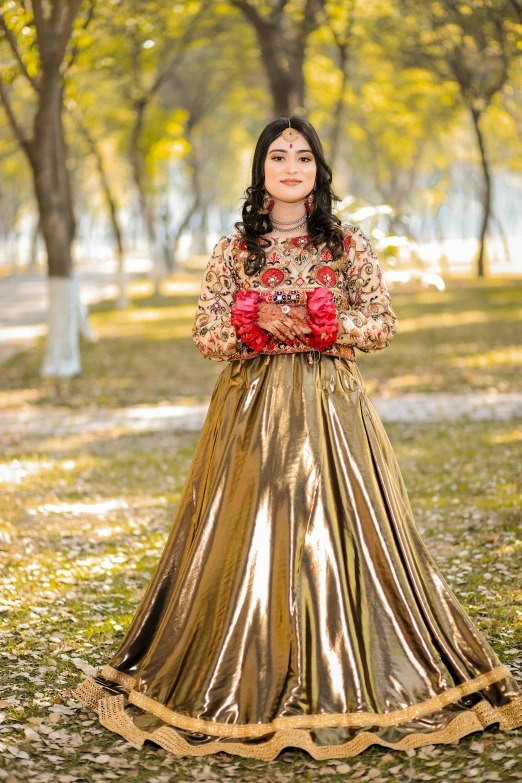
[(280, 157)]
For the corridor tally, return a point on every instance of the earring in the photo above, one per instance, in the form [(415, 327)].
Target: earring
[(309, 202), (268, 204)]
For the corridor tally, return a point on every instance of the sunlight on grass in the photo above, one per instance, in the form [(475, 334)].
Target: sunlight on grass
[(509, 355), (99, 509), (154, 331), (97, 565), (15, 472), (162, 323), (407, 381), (132, 315), (27, 471), (505, 437), (446, 320)]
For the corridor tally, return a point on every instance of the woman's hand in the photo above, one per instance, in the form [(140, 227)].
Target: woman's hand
[(284, 326)]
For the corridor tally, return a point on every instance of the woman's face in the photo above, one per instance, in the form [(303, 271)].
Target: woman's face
[(290, 169)]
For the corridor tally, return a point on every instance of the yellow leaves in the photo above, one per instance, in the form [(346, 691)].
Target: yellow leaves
[(356, 131), (169, 149), (174, 128), (82, 39)]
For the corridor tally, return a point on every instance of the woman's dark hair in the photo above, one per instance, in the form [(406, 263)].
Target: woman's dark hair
[(323, 226)]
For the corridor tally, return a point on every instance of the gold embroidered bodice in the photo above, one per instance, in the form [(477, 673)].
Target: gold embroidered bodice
[(360, 294)]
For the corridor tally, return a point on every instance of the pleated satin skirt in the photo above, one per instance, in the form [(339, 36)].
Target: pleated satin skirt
[(294, 603)]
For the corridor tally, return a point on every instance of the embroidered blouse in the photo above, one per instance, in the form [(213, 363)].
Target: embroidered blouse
[(291, 274)]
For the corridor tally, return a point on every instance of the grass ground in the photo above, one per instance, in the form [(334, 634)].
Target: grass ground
[(83, 519)]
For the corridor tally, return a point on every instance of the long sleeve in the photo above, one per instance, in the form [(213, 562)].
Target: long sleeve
[(213, 332), (370, 323)]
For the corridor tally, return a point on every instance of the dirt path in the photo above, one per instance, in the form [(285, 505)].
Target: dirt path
[(61, 421)]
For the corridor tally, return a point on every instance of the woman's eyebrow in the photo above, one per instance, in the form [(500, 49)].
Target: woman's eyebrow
[(310, 151)]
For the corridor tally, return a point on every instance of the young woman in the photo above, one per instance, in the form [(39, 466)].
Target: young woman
[(295, 604)]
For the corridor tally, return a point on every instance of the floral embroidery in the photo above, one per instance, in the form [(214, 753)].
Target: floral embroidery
[(364, 315), (272, 277), (326, 276)]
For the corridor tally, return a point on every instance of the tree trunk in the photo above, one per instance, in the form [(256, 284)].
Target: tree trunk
[(339, 105), (282, 44), (486, 192), (123, 299), (199, 234), (47, 155), (156, 250), (32, 265)]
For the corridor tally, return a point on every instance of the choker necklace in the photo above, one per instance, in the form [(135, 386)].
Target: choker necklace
[(291, 230), (290, 222)]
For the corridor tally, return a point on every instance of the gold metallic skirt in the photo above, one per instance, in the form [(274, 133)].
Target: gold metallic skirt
[(294, 603)]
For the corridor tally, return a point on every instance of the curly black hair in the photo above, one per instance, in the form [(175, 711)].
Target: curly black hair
[(323, 226)]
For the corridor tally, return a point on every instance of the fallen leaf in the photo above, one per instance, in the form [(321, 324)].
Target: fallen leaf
[(31, 734), (14, 751), (84, 666)]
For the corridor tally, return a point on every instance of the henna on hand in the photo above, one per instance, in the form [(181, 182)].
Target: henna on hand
[(273, 319)]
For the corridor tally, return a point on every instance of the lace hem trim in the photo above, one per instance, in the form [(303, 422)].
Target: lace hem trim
[(323, 720), (112, 715)]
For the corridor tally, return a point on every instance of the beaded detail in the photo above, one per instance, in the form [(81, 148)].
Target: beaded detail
[(294, 731), (362, 301)]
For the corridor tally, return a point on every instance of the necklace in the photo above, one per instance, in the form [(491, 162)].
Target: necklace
[(289, 223), (291, 230)]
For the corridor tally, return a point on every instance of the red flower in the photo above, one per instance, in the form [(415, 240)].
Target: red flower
[(244, 317), (323, 317)]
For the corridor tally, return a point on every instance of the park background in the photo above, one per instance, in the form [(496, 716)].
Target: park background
[(126, 137)]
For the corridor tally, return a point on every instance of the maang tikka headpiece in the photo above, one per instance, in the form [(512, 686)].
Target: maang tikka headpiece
[(290, 134)]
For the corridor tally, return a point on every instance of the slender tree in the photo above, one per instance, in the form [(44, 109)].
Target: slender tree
[(340, 17), (283, 35), (38, 127), (475, 45), (153, 44)]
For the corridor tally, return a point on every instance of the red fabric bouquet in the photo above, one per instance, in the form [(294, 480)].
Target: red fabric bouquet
[(321, 307), (244, 318)]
